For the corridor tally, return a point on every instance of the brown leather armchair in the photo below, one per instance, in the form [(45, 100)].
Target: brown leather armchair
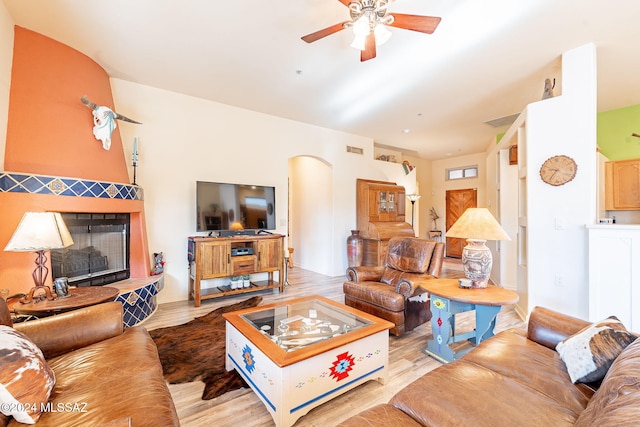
[(389, 291)]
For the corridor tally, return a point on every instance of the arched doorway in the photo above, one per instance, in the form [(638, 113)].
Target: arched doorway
[(310, 228)]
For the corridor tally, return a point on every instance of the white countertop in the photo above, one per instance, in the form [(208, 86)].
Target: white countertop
[(614, 226)]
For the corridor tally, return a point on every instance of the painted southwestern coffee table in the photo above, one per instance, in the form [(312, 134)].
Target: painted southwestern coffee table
[(300, 353), (447, 300)]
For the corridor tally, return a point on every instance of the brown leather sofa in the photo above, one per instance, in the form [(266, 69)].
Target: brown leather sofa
[(113, 374), (388, 291), (516, 379)]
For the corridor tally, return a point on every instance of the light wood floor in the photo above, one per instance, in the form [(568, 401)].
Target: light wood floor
[(242, 407)]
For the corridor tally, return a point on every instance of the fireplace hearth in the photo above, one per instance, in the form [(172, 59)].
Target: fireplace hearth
[(100, 253)]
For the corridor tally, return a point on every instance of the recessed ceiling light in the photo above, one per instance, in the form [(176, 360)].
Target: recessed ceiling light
[(406, 130)]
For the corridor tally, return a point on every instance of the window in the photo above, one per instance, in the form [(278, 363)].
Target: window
[(461, 173)]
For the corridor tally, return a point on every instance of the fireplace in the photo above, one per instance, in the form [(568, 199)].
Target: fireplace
[(100, 252)]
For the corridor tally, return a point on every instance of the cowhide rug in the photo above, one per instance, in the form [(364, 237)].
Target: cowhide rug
[(196, 351)]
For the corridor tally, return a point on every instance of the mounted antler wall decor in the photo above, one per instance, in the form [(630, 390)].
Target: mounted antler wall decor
[(104, 121)]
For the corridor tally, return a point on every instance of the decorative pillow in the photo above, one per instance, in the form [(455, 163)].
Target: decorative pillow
[(589, 353), (26, 380)]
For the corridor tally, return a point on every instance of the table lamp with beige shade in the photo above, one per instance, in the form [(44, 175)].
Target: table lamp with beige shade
[(477, 225), (39, 232)]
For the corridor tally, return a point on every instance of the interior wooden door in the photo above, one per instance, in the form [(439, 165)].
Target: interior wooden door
[(458, 201)]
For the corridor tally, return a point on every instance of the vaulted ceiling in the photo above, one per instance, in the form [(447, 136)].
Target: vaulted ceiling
[(426, 94)]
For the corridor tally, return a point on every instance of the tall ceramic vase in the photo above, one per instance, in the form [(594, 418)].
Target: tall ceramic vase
[(355, 250)]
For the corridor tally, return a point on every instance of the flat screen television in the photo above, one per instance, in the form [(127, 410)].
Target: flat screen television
[(235, 208)]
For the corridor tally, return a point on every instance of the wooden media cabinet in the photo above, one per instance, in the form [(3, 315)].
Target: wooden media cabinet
[(222, 257)]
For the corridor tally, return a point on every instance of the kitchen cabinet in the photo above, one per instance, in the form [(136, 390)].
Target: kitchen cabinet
[(622, 185)]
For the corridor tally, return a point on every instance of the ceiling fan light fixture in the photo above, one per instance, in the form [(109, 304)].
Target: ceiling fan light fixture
[(382, 34), (361, 27), (355, 8), (359, 42), (370, 21)]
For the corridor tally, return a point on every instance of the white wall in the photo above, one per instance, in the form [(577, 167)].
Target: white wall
[(502, 178), (557, 237), (6, 59), (506, 210), (555, 252), (423, 222), (185, 139)]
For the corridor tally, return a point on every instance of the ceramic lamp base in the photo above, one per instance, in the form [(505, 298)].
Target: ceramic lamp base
[(477, 261)]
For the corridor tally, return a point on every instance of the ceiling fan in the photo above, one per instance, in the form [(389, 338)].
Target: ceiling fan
[(369, 20)]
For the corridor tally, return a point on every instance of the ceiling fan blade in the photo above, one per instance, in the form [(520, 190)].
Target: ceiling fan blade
[(310, 38), (424, 24), (369, 51)]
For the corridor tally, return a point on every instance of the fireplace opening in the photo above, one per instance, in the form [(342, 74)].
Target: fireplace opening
[(100, 251)]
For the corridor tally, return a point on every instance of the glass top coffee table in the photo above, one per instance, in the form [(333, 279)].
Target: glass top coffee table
[(300, 353)]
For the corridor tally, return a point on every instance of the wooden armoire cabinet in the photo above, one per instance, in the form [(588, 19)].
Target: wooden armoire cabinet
[(380, 214)]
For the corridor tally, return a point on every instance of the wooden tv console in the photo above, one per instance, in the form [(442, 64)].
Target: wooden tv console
[(217, 257)]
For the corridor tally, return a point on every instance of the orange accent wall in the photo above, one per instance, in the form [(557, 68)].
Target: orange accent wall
[(49, 132)]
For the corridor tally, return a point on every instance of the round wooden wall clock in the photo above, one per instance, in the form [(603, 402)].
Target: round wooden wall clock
[(558, 170)]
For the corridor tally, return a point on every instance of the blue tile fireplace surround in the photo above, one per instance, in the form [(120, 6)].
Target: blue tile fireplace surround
[(12, 182)]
